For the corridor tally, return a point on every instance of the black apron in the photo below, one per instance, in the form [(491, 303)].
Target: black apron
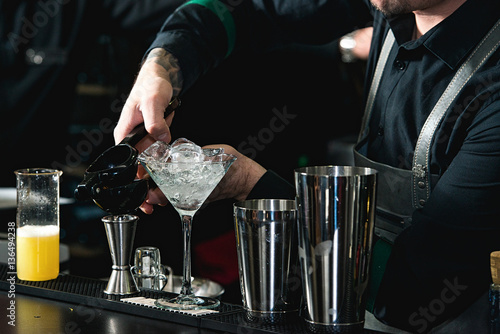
[(400, 191)]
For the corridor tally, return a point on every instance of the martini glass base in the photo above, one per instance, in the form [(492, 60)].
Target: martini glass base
[(190, 302)]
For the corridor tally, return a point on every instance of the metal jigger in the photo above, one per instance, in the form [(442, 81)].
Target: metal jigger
[(120, 231)]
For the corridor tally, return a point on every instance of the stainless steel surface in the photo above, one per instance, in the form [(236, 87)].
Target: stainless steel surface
[(267, 257), (336, 213), (201, 286), (8, 198), (120, 231)]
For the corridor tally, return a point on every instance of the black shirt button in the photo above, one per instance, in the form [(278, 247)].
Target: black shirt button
[(399, 64), (380, 131)]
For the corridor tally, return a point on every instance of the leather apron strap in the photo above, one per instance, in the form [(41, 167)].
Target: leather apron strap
[(379, 70), (421, 158), (422, 180)]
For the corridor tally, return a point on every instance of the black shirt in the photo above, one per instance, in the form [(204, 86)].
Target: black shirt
[(453, 234)]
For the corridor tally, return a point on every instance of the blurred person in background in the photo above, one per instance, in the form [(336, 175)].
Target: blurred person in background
[(44, 46)]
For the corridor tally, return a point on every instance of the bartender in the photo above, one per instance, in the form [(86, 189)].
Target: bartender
[(431, 128)]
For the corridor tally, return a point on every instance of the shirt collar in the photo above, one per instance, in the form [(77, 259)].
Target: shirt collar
[(469, 24)]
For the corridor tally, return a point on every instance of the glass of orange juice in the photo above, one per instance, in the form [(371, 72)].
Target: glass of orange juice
[(37, 219)]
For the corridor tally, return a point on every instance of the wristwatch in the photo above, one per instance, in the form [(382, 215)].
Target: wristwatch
[(346, 44)]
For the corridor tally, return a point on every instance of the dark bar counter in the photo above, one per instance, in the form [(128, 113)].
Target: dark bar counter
[(42, 315), (73, 304)]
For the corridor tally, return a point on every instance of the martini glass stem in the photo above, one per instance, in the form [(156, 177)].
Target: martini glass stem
[(187, 223)]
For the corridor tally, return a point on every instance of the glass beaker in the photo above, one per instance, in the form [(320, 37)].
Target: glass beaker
[(37, 221)]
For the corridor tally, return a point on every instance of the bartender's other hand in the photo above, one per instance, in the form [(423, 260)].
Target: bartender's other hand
[(239, 180), (158, 80)]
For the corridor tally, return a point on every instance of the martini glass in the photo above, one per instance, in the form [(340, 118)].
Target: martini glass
[(186, 175)]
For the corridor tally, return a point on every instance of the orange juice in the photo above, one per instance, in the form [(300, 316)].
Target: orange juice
[(37, 252)]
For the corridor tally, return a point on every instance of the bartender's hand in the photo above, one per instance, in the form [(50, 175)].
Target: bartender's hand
[(158, 81), (239, 180)]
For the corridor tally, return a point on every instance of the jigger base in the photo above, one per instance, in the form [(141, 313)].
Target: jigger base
[(121, 282), (120, 231)]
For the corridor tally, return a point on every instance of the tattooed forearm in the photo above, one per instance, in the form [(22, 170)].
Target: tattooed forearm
[(170, 64)]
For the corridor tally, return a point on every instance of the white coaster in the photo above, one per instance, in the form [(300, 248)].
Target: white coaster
[(150, 302)]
